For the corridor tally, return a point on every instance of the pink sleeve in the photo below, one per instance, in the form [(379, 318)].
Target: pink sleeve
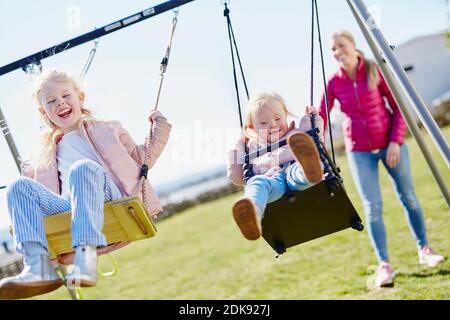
[(235, 171), (160, 136), (322, 107), (27, 169), (398, 125)]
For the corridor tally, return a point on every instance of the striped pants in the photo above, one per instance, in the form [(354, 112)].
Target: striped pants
[(90, 187)]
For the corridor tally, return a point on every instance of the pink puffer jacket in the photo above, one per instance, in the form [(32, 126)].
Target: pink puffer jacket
[(120, 156), (368, 124), (269, 163)]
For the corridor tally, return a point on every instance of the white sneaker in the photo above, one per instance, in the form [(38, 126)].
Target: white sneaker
[(385, 275), (37, 277), (429, 257), (84, 273)]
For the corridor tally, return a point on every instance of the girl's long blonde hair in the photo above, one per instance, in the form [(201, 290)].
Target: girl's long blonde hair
[(371, 67), (50, 131), (254, 104)]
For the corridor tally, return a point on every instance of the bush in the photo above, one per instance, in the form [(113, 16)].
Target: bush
[(173, 208), (441, 113)]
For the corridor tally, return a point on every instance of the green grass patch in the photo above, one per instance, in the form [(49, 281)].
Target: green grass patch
[(200, 254)]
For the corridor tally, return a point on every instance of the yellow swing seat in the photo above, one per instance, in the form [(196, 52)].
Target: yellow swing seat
[(125, 220)]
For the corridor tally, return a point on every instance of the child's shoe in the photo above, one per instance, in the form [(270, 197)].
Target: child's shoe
[(305, 151), (37, 277), (84, 273), (385, 275), (246, 216), (429, 257)]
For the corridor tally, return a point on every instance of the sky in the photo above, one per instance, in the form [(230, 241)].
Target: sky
[(198, 96)]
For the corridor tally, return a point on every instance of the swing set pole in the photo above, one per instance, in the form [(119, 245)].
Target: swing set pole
[(9, 140), (97, 33), (374, 34), (366, 23)]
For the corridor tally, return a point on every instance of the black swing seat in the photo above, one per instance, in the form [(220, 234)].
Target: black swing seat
[(317, 211), (301, 216)]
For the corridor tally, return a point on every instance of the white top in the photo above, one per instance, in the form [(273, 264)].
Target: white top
[(72, 147)]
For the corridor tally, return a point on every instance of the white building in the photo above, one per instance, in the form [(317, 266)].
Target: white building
[(426, 60)]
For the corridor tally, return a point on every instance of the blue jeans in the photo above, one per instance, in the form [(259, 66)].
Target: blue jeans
[(263, 190), (90, 187), (364, 169)]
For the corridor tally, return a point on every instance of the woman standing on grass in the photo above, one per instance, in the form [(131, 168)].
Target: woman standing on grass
[(372, 134)]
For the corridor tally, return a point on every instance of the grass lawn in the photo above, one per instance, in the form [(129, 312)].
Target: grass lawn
[(200, 254)]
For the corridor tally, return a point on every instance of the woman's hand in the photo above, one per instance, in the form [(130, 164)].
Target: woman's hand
[(153, 115), (393, 154)]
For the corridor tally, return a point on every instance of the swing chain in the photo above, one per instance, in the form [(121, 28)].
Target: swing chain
[(176, 11), (141, 185), (163, 69), (165, 60), (33, 68), (89, 60)]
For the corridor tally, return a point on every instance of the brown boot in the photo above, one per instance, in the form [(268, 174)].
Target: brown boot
[(305, 151), (244, 213)]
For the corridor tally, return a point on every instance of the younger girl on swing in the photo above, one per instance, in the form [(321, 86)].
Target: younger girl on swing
[(83, 163), (296, 166)]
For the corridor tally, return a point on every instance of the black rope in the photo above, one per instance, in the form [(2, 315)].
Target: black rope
[(324, 83), (247, 167), (311, 84), (233, 48), (237, 55)]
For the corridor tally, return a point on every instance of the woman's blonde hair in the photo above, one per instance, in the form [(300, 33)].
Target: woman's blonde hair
[(254, 104), (50, 131), (371, 67)]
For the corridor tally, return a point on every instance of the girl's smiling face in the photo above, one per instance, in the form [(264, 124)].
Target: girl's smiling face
[(270, 121), (62, 104)]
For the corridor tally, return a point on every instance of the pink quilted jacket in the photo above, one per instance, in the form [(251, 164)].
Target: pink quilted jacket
[(268, 164), (368, 124), (119, 155)]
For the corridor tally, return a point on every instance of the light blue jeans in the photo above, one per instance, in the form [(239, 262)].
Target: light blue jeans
[(263, 190), (364, 169), (90, 187)]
